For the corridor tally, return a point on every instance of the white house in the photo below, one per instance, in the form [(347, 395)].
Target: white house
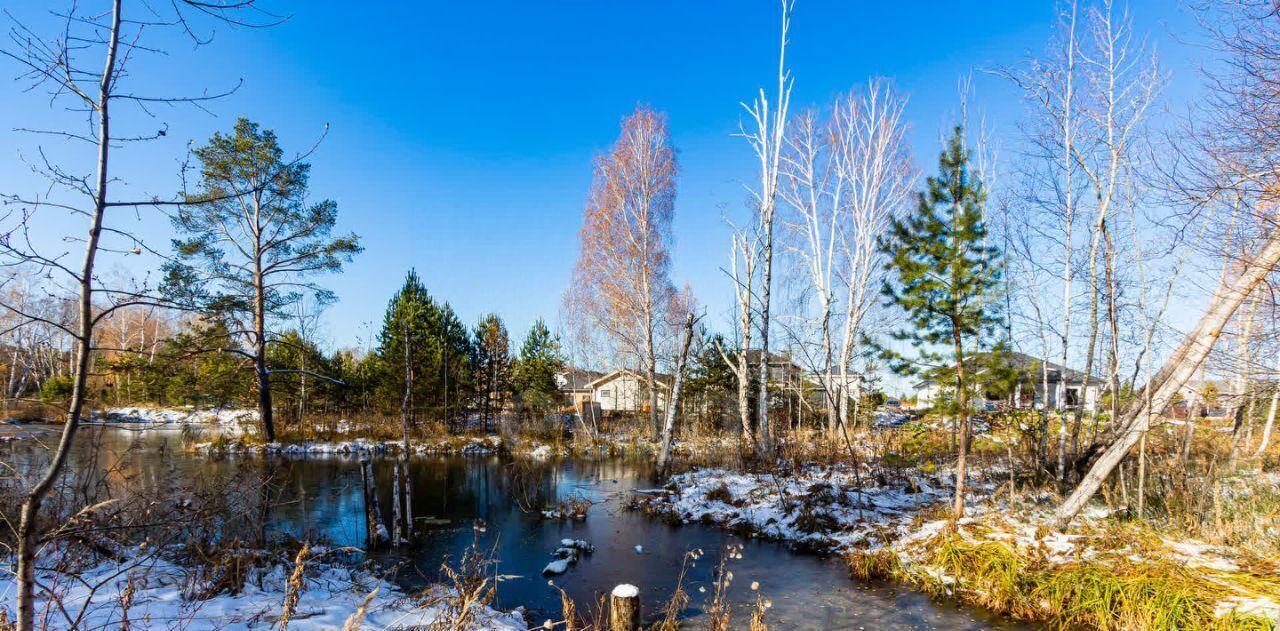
[(627, 391)]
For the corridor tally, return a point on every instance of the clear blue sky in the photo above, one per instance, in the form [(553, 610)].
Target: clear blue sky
[(462, 133)]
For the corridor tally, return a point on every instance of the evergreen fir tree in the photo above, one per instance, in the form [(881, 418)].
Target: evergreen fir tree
[(535, 371), (943, 275)]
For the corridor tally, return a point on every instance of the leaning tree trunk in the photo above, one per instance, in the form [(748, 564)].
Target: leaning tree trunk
[(1173, 375), (28, 532), (1271, 418), (669, 426)]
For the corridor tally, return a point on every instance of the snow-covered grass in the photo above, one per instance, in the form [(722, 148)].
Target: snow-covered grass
[(831, 508), (1001, 556), (235, 421), (159, 594), (463, 445)]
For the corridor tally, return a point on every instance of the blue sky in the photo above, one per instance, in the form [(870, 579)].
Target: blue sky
[(461, 133)]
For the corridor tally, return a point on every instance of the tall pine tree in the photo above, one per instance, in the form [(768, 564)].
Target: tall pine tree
[(492, 361), (536, 368), (438, 373), (942, 277)]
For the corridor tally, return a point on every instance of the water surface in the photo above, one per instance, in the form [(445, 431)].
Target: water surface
[(491, 501)]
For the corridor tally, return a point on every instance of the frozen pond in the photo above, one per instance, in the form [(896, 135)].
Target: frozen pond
[(489, 499)]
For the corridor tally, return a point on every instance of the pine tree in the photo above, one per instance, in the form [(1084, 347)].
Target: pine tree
[(406, 329), (942, 276), (439, 371), (535, 370), (492, 348), (253, 242)]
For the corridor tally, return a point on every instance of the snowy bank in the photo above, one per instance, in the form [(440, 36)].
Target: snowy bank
[(237, 421), (462, 445), (158, 595), (897, 529)]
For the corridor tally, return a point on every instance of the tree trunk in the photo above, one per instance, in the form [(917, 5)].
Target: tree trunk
[(1271, 418), (375, 529), (260, 351), (668, 427), (764, 442), (1173, 375), (833, 414), (962, 449), (28, 534)]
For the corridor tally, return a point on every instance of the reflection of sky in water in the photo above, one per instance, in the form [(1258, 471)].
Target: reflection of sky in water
[(321, 495)]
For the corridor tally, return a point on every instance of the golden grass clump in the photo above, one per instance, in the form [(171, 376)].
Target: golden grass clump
[(1110, 592)]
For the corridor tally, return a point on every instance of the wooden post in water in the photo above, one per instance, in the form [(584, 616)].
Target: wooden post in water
[(624, 608), (377, 532), (408, 496), (395, 505)]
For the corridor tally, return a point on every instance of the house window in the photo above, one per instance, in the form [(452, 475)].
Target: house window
[(1073, 396), (606, 394)]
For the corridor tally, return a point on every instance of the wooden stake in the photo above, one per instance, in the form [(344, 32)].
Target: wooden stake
[(624, 608)]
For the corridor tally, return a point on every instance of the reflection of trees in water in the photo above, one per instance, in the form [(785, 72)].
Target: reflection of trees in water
[(260, 499), (140, 489), (531, 484)]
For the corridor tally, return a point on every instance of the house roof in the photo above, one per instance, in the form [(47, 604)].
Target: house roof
[(775, 359), (664, 380), (576, 379), (1031, 367)]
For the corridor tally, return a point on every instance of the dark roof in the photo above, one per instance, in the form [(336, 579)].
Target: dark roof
[(1032, 367), (576, 379), (775, 359)]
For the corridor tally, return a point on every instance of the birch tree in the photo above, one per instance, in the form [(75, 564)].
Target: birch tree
[(843, 179), (1089, 101), (874, 166), (1234, 157), (766, 136), (743, 260), (621, 283)]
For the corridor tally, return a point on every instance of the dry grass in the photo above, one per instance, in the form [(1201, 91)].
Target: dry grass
[(1110, 592)]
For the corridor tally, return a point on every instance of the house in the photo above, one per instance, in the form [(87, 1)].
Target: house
[(1068, 388), (784, 374), (1220, 398), (626, 390), (573, 386)]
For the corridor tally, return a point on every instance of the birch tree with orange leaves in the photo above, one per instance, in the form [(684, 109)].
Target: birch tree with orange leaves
[(621, 288)]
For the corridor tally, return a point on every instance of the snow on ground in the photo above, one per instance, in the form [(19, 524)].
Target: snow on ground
[(238, 421), (841, 509), (467, 446), (832, 508), (331, 594)]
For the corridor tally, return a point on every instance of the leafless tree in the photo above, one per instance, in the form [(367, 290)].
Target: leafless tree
[(85, 67), (766, 136), (1234, 158), (744, 257)]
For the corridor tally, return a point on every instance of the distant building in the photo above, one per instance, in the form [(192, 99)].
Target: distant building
[(1219, 396), (1068, 388), (626, 390), (573, 384)]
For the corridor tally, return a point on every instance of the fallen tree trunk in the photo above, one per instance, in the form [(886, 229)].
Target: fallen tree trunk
[(1175, 373)]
